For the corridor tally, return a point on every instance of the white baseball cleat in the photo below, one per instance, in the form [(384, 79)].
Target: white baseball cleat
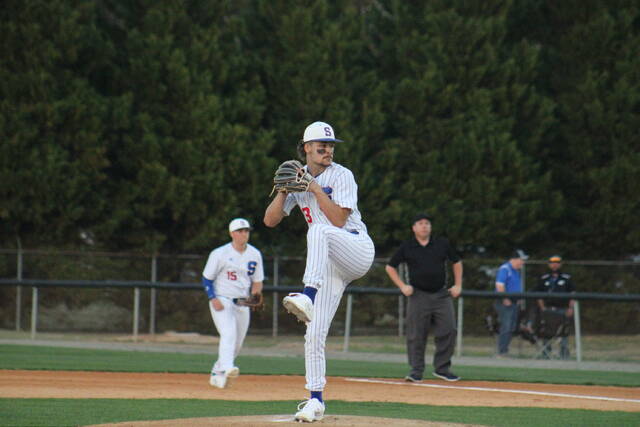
[(300, 306), (219, 379), (233, 372), (312, 410)]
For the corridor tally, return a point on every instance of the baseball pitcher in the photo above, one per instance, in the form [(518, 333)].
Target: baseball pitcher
[(339, 250)]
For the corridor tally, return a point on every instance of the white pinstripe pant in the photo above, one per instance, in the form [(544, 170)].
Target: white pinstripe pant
[(335, 258)]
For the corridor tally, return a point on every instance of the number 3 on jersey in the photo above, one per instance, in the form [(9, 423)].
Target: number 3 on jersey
[(307, 214)]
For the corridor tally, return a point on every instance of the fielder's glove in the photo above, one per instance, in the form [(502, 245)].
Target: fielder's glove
[(255, 302), (290, 177)]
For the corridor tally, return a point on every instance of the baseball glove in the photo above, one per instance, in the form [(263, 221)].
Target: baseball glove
[(255, 302), (290, 177)]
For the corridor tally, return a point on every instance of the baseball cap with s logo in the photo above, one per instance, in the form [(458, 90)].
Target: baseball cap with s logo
[(319, 131)]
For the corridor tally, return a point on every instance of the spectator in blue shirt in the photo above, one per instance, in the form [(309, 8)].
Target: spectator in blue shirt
[(508, 279)]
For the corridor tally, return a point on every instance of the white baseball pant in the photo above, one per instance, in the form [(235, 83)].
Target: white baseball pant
[(232, 324), (335, 258)]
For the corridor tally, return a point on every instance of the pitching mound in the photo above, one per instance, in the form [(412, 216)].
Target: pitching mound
[(282, 420)]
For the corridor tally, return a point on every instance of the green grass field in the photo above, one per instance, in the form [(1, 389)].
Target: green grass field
[(68, 412), (72, 412)]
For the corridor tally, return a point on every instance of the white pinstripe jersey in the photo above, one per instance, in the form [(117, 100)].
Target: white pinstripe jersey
[(232, 271), (339, 184)]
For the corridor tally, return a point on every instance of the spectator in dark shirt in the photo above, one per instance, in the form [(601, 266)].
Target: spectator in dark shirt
[(556, 281), (430, 304)]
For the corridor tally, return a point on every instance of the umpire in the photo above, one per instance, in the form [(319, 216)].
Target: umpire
[(430, 305)]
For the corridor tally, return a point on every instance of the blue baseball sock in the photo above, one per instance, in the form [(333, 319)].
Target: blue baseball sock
[(316, 395), (310, 292)]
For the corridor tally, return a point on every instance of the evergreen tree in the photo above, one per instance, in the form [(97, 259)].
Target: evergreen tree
[(599, 136), (52, 155), (186, 149), (151, 124), (468, 121), (592, 65)]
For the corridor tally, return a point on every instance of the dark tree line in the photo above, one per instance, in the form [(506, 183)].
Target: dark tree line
[(148, 125)]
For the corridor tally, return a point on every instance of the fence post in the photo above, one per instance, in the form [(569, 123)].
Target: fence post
[(523, 304), (347, 324), (34, 312), (19, 291), (152, 295), (276, 279), (524, 285), (136, 313), (576, 319), (459, 334)]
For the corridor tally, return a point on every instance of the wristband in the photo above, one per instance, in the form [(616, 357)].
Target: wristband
[(208, 287)]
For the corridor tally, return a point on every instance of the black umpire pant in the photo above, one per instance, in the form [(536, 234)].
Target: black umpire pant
[(430, 312)]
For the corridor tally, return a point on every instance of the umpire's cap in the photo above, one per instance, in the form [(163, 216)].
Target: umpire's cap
[(519, 253), (422, 216), (319, 131)]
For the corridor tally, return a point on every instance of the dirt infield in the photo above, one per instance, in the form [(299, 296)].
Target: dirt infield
[(81, 384)]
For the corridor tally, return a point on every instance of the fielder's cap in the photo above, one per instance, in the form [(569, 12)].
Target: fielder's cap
[(319, 131), (519, 253), (422, 216), (555, 258), (239, 224)]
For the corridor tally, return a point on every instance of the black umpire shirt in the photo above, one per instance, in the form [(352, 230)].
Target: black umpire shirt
[(426, 263)]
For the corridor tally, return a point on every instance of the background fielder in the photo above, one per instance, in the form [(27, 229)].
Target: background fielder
[(339, 250), (232, 272)]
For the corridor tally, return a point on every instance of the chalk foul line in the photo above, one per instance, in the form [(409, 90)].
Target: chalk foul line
[(498, 390)]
